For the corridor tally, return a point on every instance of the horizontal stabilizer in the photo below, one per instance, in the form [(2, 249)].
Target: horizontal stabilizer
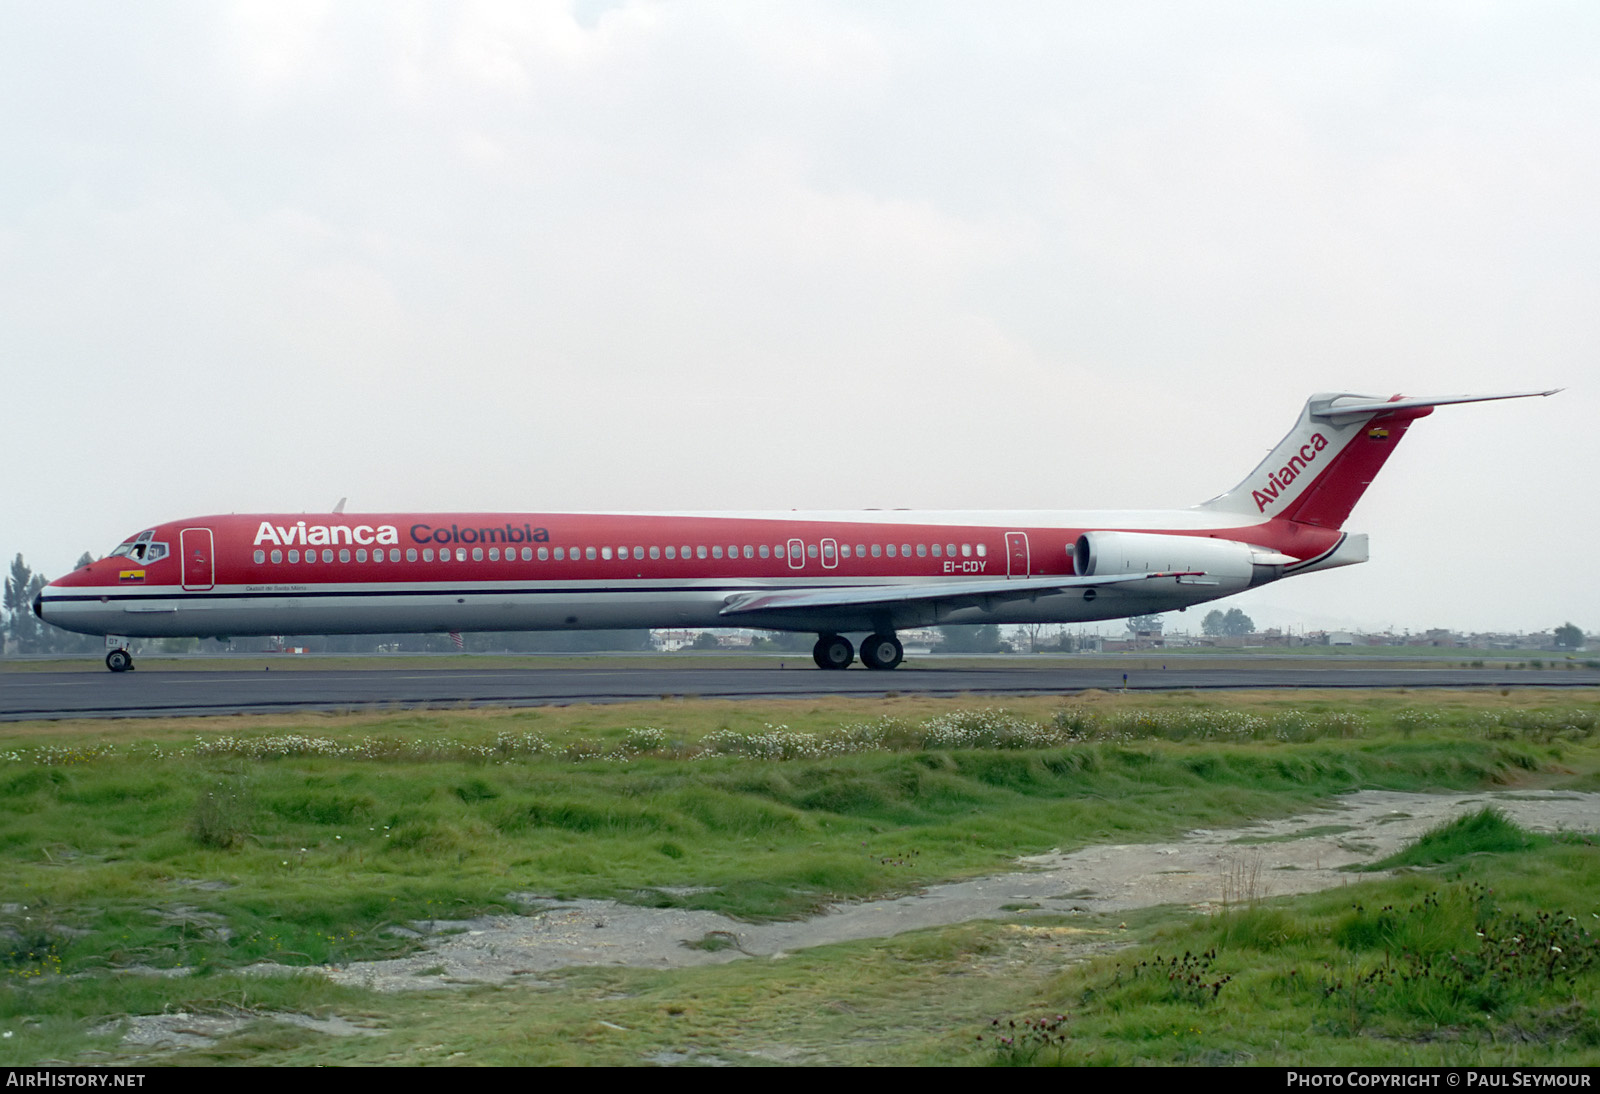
[(1339, 411)]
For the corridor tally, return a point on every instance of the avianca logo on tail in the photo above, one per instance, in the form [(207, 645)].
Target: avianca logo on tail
[(1279, 480), (318, 535)]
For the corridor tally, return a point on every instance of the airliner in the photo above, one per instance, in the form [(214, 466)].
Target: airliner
[(836, 574)]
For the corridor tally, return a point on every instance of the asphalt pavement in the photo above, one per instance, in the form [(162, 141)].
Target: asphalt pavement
[(160, 691)]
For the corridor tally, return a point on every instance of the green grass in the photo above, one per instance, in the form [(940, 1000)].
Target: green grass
[(1495, 962), (1487, 831), (309, 842)]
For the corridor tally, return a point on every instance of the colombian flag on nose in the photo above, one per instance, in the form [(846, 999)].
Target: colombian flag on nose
[(130, 576)]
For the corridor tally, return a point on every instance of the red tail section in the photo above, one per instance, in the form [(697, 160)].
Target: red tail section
[(1327, 502), (1319, 471)]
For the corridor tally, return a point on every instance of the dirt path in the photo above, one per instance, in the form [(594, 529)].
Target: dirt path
[(1204, 869)]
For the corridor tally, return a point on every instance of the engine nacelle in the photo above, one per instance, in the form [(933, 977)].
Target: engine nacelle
[(1225, 562)]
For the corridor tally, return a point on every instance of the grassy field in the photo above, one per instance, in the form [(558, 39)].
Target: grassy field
[(214, 844)]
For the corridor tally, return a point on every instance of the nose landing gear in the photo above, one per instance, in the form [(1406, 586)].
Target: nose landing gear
[(119, 660)]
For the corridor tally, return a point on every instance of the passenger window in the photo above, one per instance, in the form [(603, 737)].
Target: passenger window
[(605, 552), (655, 552), (411, 554), (327, 554), (966, 550), (427, 554), (544, 554), (749, 551), (699, 552), (672, 552), (889, 550), (950, 549), (811, 550), (922, 550), (982, 550), (861, 550), (261, 556), (477, 554), (277, 555), (716, 550), (344, 554), (778, 552), (877, 550), (905, 550), (588, 553), (766, 552), (361, 555), (935, 550), (494, 554), (844, 550)]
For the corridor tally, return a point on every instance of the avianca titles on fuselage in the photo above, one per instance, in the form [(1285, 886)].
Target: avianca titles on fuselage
[(834, 574)]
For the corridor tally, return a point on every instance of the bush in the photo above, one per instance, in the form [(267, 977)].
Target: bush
[(222, 814)]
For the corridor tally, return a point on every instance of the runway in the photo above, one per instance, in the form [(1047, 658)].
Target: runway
[(168, 692)]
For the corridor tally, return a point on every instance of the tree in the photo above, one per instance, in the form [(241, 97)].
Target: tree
[(20, 589), (1150, 623), (1029, 633), (785, 642), (1569, 636), (969, 639), (1235, 624)]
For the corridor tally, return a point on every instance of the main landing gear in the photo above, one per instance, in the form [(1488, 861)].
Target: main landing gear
[(119, 660), (882, 651), (833, 652), (878, 651)]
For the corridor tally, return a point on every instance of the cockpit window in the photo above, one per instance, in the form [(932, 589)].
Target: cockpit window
[(142, 549)]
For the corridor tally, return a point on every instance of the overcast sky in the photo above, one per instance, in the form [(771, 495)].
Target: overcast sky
[(548, 256)]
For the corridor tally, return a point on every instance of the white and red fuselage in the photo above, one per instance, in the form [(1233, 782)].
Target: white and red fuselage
[(829, 572)]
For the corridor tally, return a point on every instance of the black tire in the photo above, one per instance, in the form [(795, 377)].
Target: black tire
[(833, 652), (882, 652), (119, 660)]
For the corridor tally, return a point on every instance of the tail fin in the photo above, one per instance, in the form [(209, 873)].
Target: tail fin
[(1319, 471)]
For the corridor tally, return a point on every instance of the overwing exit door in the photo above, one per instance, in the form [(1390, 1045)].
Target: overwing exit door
[(1016, 554)]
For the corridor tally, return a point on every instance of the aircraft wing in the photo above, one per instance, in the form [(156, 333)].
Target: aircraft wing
[(952, 594)]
